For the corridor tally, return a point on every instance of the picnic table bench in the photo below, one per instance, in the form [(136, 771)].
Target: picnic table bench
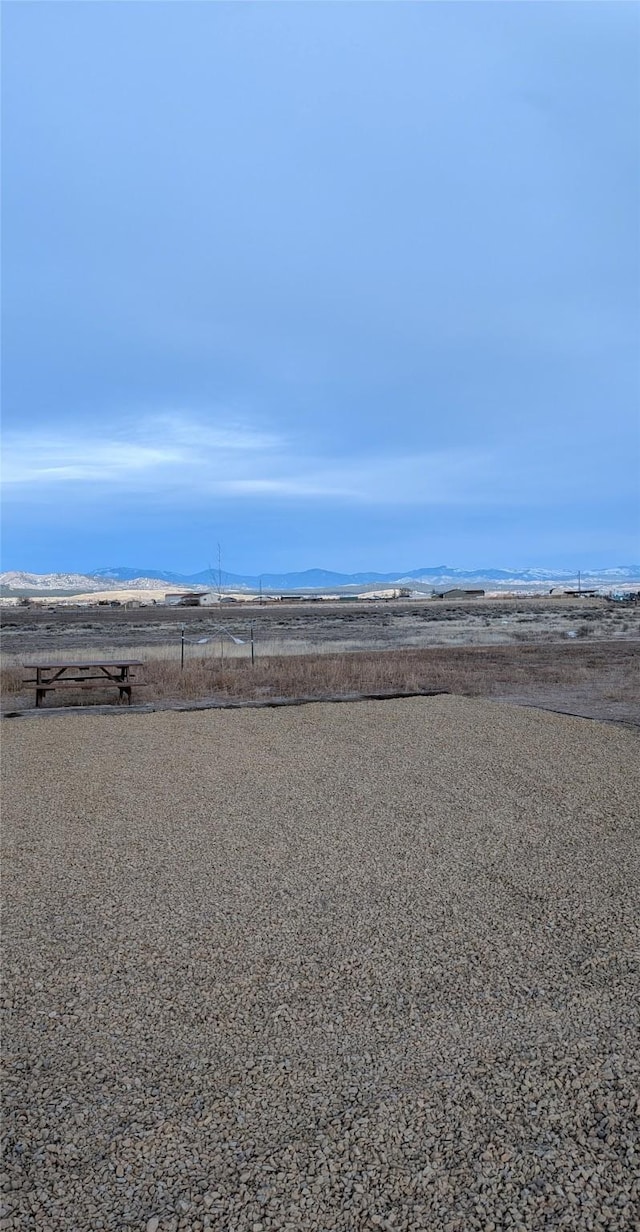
[(70, 674)]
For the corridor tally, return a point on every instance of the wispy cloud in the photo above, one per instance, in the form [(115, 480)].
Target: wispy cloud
[(442, 477), (144, 451), (180, 454)]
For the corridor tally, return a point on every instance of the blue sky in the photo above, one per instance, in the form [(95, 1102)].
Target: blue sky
[(340, 285)]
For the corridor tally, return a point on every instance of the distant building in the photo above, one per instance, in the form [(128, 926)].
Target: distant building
[(188, 598), (196, 598), (388, 594), (459, 594)]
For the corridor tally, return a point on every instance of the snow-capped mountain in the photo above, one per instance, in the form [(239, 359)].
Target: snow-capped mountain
[(435, 576)]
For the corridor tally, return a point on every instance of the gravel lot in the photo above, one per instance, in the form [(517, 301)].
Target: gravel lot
[(338, 967)]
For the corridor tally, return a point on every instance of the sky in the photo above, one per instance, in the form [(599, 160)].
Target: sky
[(339, 285)]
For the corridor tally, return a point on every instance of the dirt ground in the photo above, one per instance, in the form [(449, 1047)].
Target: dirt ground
[(320, 627), (328, 969)]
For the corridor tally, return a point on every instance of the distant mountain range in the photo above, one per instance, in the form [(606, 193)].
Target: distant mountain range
[(436, 576), (313, 579)]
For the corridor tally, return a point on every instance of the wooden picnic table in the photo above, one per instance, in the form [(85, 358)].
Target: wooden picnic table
[(72, 674)]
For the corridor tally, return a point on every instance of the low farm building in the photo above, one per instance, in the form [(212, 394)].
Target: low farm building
[(457, 593), (182, 598), (197, 598)]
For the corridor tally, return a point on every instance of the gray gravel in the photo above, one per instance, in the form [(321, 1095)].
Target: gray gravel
[(338, 967)]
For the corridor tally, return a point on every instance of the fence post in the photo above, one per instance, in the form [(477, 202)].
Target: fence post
[(252, 648)]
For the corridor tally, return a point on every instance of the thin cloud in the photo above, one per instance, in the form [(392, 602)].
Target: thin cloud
[(147, 451), (180, 456), (57, 461)]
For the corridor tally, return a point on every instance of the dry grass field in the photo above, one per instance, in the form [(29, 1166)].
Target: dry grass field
[(354, 967), (578, 655), (318, 628), (595, 679)]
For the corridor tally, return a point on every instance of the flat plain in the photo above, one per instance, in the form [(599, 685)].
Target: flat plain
[(579, 655), (316, 627), (359, 966)]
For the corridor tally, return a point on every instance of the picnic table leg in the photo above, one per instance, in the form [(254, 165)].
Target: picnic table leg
[(124, 687), (39, 692)]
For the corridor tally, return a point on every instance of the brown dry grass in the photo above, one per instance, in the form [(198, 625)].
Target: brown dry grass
[(295, 676), (612, 670), (468, 670), (11, 681)]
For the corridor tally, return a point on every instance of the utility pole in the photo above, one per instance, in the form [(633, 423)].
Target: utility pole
[(579, 584), (219, 575), (182, 648)]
